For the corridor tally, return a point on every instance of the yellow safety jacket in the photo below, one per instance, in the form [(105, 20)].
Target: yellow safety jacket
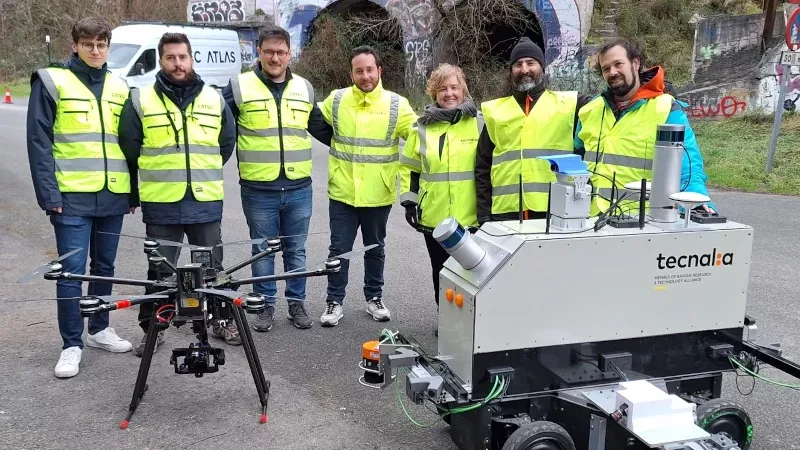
[(271, 135), (519, 140), (85, 145), (447, 173), (364, 156), (180, 148), (620, 150)]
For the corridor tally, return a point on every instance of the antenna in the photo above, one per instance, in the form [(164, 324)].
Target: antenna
[(642, 197), (547, 224)]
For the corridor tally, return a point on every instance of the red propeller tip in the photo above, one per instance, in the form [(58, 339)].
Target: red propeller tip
[(263, 418), (123, 424)]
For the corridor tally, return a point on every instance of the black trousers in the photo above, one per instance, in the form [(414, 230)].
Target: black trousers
[(204, 234), (438, 257)]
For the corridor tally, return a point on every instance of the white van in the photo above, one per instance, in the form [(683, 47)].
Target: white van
[(133, 54)]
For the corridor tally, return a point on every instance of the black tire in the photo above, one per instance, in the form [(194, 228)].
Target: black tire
[(718, 416), (539, 436)]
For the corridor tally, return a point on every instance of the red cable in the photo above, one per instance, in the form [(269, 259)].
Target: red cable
[(161, 309)]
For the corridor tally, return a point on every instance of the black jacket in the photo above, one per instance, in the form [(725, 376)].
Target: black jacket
[(483, 163), (41, 116), (317, 127), (188, 210)]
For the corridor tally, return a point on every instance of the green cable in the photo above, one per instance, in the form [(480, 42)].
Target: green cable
[(497, 388), (750, 372)]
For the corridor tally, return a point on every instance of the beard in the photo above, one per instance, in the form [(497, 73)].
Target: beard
[(526, 82), (625, 87)]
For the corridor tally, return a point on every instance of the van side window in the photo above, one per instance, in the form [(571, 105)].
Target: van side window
[(147, 60)]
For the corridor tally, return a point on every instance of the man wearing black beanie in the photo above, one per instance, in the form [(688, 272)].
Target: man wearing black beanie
[(529, 122)]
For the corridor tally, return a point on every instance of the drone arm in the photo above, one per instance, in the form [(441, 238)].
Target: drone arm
[(96, 279), (284, 276), (251, 260), (122, 304)]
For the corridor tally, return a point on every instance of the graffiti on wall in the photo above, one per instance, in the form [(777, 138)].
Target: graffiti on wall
[(216, 11), (561, 23), (705, 107)]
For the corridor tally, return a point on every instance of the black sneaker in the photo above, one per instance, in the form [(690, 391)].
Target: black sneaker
[(264, 320), (298, 315)]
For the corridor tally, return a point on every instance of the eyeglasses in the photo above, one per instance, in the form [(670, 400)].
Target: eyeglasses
[(89, 47), (270, 53)]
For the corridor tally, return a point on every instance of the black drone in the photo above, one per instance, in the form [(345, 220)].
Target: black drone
[(190, 294)]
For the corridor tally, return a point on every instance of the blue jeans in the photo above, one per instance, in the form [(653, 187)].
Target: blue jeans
[(82, 232), (345, 221), (279, 213)]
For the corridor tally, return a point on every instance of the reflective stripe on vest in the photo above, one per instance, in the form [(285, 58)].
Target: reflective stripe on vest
[(519, 140), (364, 155), (447, 178), (86, 149), (271, 134), (165, 155), (622, 149)]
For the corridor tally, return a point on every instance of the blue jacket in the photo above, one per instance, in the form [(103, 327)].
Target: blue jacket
[(693, 176), (41, 117), (131, 136)]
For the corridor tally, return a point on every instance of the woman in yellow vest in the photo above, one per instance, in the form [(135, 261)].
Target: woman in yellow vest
[(438, 162)]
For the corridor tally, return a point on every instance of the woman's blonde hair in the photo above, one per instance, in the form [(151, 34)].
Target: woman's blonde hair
[(439, 77)]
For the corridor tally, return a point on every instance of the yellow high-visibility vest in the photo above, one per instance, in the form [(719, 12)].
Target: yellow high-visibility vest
[(620, 150), (265, 127), (447, 176), (180, 148), (85, 145), (519, 141), (364, 155)]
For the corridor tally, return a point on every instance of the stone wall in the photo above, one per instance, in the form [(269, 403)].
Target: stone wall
[(731, 76)]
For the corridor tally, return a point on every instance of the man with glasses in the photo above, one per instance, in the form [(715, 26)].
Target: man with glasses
[(277, 115), (179, 133), (80, 178)]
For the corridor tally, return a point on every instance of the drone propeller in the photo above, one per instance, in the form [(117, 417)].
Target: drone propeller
[(164, 242), (105, 298), (42, 268), (346, 255), (260, 240)]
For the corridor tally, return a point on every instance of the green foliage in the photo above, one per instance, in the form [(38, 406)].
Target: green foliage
[(663, 30), (735, 153)]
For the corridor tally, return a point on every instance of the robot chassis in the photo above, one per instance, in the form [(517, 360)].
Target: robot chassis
[(579, 337), (192, 294)]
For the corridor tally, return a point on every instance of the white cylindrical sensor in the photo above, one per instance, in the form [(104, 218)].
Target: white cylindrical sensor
[(667, 163), (458, 243)]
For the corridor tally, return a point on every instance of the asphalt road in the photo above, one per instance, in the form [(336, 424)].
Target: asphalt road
[(316, 399)]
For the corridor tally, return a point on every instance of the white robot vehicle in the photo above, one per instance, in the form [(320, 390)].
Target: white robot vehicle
[(590, 333)]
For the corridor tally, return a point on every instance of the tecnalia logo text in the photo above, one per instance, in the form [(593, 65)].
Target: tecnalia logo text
[(714, 258)]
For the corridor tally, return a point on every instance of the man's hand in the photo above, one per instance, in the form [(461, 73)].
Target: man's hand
[(708, 209), (57, 210), (411, 214)]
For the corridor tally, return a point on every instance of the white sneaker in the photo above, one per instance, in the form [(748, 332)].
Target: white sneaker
[(377, 310), (68, 362), (333, 313), (108, 340)]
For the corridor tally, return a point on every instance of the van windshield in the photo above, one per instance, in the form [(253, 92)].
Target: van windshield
[(119, 55)]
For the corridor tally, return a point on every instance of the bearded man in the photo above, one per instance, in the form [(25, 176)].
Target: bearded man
[(529, 122)]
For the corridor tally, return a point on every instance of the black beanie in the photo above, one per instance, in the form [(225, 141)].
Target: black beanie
[(525, 48)]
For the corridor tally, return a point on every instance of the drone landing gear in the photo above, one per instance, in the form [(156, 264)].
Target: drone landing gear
[(196, 362)]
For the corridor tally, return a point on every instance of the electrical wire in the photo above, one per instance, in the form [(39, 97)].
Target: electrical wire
[(499, 388), (738, 363)]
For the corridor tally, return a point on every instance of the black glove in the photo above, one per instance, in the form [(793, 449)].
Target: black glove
[(411, 214), (472, 230)]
